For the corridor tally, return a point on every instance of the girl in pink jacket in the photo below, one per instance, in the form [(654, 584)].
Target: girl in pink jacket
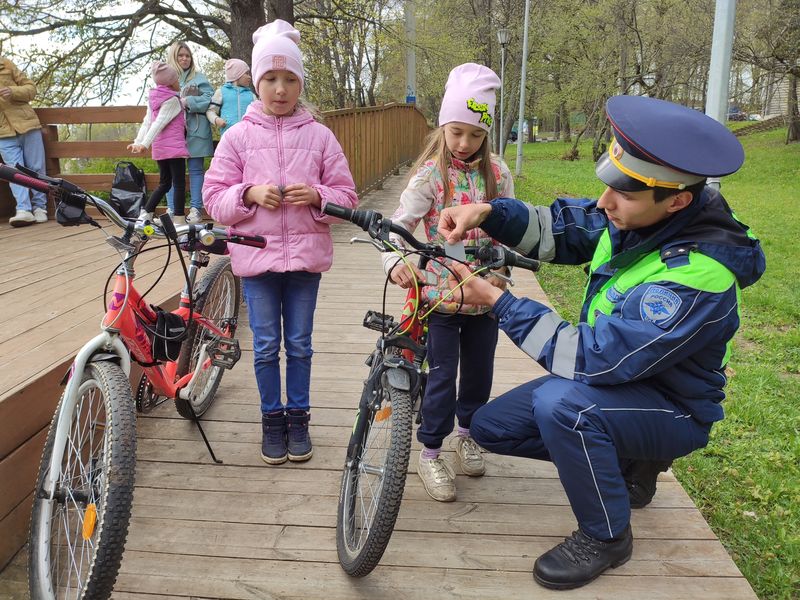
[(163, 127), (271, 174)]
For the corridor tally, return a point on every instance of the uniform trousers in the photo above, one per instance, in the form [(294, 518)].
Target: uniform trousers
[(585, 431)]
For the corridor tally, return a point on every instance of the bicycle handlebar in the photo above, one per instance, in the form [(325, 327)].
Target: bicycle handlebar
[(379, 227), (43, 183)]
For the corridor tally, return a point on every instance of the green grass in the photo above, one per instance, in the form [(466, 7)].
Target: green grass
[(746, 481)]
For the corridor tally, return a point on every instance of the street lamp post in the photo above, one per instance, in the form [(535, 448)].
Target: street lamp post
[(503, 36)]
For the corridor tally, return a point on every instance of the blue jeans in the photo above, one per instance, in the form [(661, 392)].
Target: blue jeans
[(195, 166), (292, 296), (26, 149)]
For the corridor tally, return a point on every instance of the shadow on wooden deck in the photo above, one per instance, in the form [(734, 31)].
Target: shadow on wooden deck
[(243, 530)]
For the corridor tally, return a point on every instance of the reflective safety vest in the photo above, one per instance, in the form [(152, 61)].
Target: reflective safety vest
[(700, 273)]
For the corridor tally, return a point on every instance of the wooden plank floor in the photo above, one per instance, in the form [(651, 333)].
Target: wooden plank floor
[(243, 530)]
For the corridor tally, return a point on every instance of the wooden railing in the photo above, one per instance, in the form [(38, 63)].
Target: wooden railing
[(376, 140)]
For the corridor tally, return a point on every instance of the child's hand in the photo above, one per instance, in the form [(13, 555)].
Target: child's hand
[(220, 122), (404, 276), (268, 196), (136, 148), (301, 194)]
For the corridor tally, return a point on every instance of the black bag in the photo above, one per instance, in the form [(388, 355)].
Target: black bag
[(128, 191), (170, 333)]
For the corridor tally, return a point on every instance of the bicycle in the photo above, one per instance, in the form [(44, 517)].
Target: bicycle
[(374, 473), (84, 490)]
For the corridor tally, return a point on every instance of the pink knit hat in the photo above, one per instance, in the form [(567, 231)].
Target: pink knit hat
[(276, 50), (469, 96), (235, 68), (163, 74)]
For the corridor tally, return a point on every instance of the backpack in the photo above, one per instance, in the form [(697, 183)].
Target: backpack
[(128, 190)]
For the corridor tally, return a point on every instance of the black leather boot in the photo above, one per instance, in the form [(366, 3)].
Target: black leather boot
[(273, 438), (580, 559), (298, 439), (640, 479)]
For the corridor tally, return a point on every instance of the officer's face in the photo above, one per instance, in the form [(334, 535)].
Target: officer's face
[(634, 210)]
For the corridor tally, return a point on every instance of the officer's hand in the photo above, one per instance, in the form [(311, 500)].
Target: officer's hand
[(454, 222), (476, 290)]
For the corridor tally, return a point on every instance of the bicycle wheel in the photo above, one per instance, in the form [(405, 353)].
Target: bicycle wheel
[(217, 298), (373, 480), (77, 538)]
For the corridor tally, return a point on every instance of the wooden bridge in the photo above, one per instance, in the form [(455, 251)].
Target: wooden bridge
[(243, 530)]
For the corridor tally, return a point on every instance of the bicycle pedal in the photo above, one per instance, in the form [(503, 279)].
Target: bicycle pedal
[(378, 321), (224, 352)]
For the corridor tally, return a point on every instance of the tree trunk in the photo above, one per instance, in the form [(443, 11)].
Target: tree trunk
[(793, 134), (280, 9), (246, 17)]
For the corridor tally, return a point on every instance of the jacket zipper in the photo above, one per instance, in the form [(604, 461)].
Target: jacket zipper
[(281, 170)]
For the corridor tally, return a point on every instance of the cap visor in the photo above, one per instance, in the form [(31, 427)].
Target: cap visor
[(609, 174)]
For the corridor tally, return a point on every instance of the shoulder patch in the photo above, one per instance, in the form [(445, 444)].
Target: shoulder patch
[(659, 304)]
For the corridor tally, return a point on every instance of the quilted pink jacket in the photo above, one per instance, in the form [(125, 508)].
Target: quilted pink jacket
[(263, 149)]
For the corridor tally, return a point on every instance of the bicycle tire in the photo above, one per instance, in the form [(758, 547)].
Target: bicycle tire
[(359, 555), (217, 297), (97, 471)]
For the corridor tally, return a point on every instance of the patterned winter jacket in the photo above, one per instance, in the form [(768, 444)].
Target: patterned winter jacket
[(423, 200)]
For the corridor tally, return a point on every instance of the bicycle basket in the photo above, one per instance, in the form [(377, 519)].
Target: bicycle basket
[(128, 190)]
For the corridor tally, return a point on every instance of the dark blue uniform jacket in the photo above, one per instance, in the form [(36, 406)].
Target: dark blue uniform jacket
[(684, 355)]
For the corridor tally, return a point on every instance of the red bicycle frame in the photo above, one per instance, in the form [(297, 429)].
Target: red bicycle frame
[(128, 317)]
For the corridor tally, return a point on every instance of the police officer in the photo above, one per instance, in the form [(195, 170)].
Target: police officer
[(639, 380)]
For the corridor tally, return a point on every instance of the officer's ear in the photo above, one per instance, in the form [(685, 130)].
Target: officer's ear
[(679, 201)]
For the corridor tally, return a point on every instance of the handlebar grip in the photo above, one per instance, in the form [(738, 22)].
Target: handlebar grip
[(245, 239), (336, 210), (14, 176), (517, 260)]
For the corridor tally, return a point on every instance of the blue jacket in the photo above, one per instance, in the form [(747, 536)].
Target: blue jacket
[(681, 348), (234, 102)]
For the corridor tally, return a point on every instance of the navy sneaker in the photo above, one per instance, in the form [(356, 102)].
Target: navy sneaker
[(273, 438), (298, 439)]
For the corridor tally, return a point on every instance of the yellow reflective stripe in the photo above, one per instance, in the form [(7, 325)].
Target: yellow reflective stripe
[(648, 181)]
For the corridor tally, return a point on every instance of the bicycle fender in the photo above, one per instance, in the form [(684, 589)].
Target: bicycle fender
[(399, 378), (105, 356)]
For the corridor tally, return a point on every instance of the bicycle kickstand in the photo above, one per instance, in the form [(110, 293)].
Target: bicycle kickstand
[(203, 434)]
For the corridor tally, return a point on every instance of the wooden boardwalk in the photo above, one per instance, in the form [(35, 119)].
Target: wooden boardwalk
[(243, 530)]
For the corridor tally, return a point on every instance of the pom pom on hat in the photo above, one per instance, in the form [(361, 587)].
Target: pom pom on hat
[(469, 96), (163, 74), (235, 68), (276, 49)]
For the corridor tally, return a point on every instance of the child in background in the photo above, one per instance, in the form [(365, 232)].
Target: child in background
[(271, 175), (455, 168), (163, 127), (230, 102)]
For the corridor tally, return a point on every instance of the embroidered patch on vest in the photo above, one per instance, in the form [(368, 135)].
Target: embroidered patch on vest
[(659, 304), (613, 294)]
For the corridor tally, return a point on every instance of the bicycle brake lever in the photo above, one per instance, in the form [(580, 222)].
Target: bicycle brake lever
[(375, 243)]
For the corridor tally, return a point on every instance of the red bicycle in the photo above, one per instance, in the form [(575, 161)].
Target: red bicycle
[(374, 473), (83, 495)]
